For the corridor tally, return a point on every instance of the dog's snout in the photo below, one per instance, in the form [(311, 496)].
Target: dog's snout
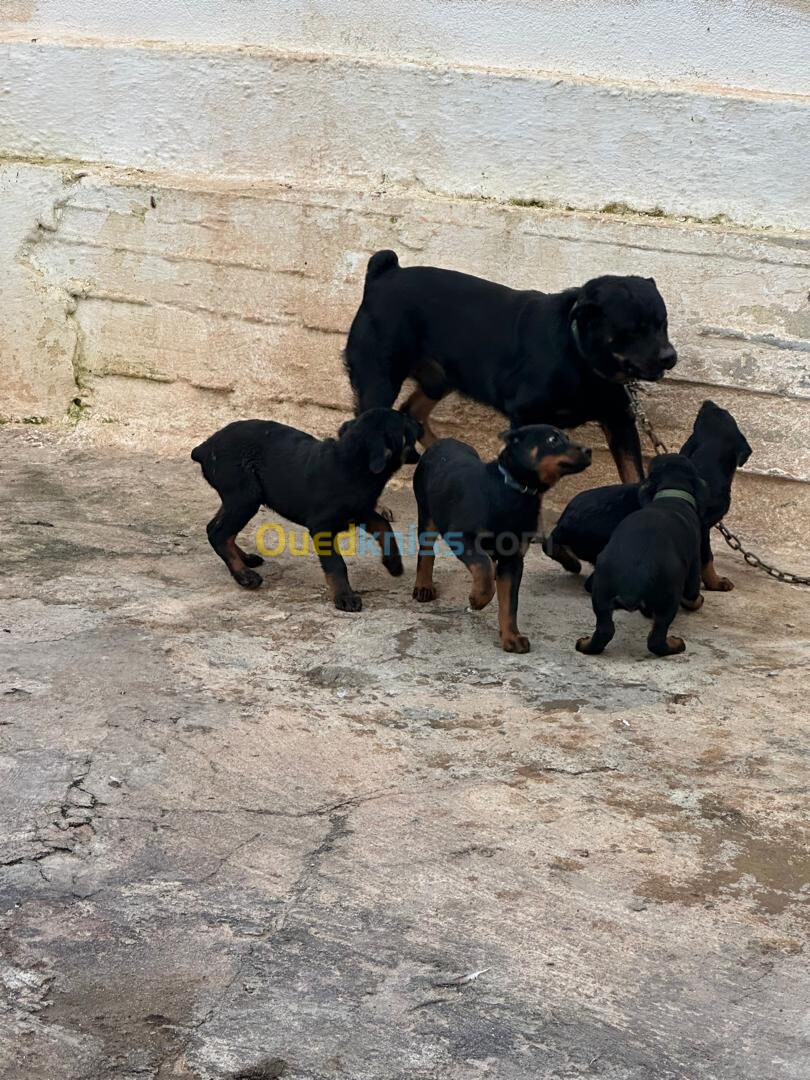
[(668, 357)]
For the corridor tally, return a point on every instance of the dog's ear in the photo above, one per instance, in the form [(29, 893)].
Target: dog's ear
[(509, 436), (378, 453), (743, 451)]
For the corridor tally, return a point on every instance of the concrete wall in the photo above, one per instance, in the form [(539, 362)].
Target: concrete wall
[(190, 192)]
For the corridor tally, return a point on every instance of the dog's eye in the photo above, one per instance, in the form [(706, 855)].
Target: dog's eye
[(552, 439)]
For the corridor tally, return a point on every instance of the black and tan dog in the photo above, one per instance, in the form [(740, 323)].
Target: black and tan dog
[(552, 358), (652, 561), (717, 448), (324, 485), (488, 513)]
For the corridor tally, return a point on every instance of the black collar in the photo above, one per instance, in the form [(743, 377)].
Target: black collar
[(510, 482)]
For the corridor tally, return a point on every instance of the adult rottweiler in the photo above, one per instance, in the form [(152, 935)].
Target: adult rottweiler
[(652, 562), (322, 484), (717, 448), (487, 513), (553, 358)]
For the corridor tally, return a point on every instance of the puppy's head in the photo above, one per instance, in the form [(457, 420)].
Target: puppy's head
[(716, 425), (674, 471), (544, 452), (387, 438), (620, 325)]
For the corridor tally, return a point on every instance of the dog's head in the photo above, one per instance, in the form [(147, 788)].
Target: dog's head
[(717, 426), (539, 453), (386, 436), (674, 471), (620, 327)]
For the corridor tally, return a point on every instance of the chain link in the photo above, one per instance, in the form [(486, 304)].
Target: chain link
[(730, 538)]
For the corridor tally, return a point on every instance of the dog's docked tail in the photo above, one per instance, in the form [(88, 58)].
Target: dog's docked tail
[(380, 263)]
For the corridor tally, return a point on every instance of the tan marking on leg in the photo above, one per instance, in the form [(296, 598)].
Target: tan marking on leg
[(712, 580), (420, 406), (483, 585), (511, 638)]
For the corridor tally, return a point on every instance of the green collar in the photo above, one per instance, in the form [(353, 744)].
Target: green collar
[(674, 493)]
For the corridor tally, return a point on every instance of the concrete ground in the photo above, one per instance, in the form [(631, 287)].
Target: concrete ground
[(247, 835)]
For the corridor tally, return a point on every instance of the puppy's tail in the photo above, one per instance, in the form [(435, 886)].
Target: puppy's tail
[(198, 453), (380, 263)]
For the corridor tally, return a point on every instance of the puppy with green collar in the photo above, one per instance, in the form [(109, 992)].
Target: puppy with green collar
[(652, 561)]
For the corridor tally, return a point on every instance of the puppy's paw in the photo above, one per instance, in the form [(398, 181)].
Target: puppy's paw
[(348, 601), (393, 564), (386, 513), (424, 594), (675, 645), (480, 598), (515, 643), (585, 645), (692, 605), (248, 579), (252, 560)]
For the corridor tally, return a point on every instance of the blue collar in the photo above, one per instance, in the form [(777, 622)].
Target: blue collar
[(510, 482)]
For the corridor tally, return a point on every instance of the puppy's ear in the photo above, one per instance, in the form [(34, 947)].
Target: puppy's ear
[(652, 281), (378, 454), (743, 451), (508, 436)]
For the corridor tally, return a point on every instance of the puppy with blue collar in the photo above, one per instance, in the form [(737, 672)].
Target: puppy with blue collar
[(652, 561), (487, 513)]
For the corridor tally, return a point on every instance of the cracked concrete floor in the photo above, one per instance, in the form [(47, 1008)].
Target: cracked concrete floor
[(245, 828)]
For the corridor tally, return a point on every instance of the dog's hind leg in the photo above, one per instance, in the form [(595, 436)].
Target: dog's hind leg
[(602, 635), (561, 554), (424, 590), (370, 363), (692, 599), (481, 567), (659, 640), (235, 512), (431, 387)]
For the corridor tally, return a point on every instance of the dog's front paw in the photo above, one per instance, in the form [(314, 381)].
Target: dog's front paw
[(515, 643), (248, 579), (386, 513), (585, 645), (349, 601), (675, 645), (720, 584), (393, 564), (424, 593)]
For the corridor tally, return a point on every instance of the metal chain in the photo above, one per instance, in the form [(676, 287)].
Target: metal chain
[(730, 538)]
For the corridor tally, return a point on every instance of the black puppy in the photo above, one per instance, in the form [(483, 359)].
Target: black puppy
[(717, 448), (652, 561), (324, 485), (489, 512), (553, 358)]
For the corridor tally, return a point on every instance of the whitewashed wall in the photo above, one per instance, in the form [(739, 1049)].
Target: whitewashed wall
[(189, 191)]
